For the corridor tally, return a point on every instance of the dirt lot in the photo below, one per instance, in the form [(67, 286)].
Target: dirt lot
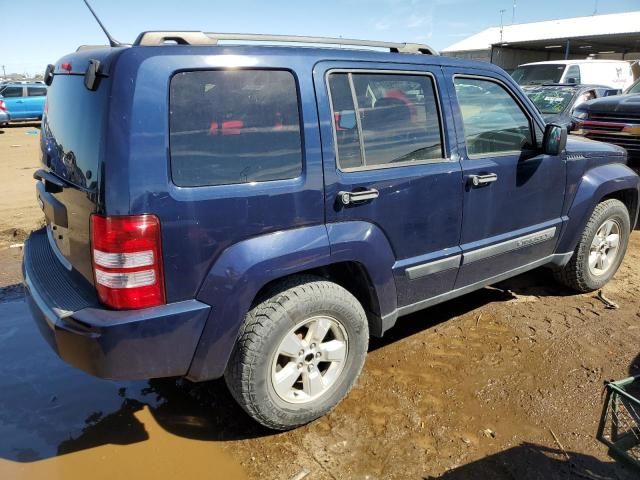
[(19, 212), (505, 383)]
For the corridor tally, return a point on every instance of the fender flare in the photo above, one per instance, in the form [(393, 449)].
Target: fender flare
[(244, 268), (596, 184)]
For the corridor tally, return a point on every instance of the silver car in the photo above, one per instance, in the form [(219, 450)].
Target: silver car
[(4, 113)]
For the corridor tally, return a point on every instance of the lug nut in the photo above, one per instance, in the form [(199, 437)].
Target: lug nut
[(318, 355), (300, 365)]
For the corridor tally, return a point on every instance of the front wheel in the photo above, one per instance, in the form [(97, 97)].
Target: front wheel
[(600, 250), (299, 353)]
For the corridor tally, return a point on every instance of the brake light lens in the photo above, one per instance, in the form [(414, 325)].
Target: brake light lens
[(3, 107), (127, 261)]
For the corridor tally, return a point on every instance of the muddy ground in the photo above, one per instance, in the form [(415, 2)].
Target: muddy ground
[(19, 212), (504, 383)]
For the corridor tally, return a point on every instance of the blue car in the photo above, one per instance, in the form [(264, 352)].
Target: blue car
[(257, 212), (24, 101)]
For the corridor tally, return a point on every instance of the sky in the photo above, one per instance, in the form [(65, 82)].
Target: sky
[(41, 31)]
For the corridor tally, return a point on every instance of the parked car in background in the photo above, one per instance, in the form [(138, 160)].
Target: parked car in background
[(24, 101), (557, 101), (615, 74), (258, 212), (5, 118), (612, 119)]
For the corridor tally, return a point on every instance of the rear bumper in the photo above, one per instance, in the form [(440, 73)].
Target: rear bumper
[(134, 344)]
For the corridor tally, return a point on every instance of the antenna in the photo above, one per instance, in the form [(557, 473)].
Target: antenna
[(112, 41)]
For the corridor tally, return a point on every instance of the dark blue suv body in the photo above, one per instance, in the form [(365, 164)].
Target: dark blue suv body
[(258, 211)]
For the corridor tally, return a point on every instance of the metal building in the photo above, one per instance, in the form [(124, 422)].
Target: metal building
[(613, 36)]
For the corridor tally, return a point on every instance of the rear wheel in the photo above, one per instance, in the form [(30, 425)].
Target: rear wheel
[(600, 250), (299, 352)]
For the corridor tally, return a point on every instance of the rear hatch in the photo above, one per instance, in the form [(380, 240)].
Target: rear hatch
[(72, 139)]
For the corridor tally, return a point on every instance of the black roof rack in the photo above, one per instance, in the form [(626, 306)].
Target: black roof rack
[(211, 38)]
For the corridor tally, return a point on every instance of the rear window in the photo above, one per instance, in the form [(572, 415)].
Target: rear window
[(538, 74), (234, 126), (73, 127)]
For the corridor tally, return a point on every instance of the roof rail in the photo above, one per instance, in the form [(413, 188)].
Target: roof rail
[(82, 48), (212, 38)]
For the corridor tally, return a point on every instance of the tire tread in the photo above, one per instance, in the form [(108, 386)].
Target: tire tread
[(573, 275), (259, 323)]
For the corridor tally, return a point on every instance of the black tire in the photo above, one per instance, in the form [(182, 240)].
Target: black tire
[(249, 373), (576, 274)]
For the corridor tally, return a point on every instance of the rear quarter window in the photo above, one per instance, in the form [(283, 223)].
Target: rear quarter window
[(36, 91), (234, 126)]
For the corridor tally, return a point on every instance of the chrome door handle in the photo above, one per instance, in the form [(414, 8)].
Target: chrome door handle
[(479, 180), (348, 198)]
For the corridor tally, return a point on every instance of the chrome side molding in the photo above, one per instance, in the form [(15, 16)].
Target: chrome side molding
[(433, 267), (509, 245)]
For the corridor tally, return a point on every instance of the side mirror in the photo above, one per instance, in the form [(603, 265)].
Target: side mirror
[(555, 139), (48, 74), (346, 120), (572, 80)]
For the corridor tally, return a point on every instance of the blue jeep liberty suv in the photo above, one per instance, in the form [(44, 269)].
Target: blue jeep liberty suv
[(258, 211)]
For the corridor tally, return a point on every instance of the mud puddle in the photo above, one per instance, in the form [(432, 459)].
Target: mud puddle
[(58, 423)]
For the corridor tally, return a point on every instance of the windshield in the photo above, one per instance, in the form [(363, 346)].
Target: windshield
[(635, 88), (538, 74), (552, 99)]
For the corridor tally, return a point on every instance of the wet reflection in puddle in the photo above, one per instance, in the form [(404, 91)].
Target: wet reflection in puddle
[(58, 422)]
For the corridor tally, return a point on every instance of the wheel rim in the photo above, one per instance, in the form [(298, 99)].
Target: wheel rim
[(309, 359), (604, 248)]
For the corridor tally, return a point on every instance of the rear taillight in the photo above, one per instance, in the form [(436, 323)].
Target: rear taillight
[(3, 107), (127, 261)]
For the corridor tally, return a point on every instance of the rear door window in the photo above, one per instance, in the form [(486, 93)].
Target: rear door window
[(12, 92), (397, 120), (234, 126)]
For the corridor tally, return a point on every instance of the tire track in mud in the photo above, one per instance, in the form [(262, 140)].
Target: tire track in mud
[(467, 381)]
